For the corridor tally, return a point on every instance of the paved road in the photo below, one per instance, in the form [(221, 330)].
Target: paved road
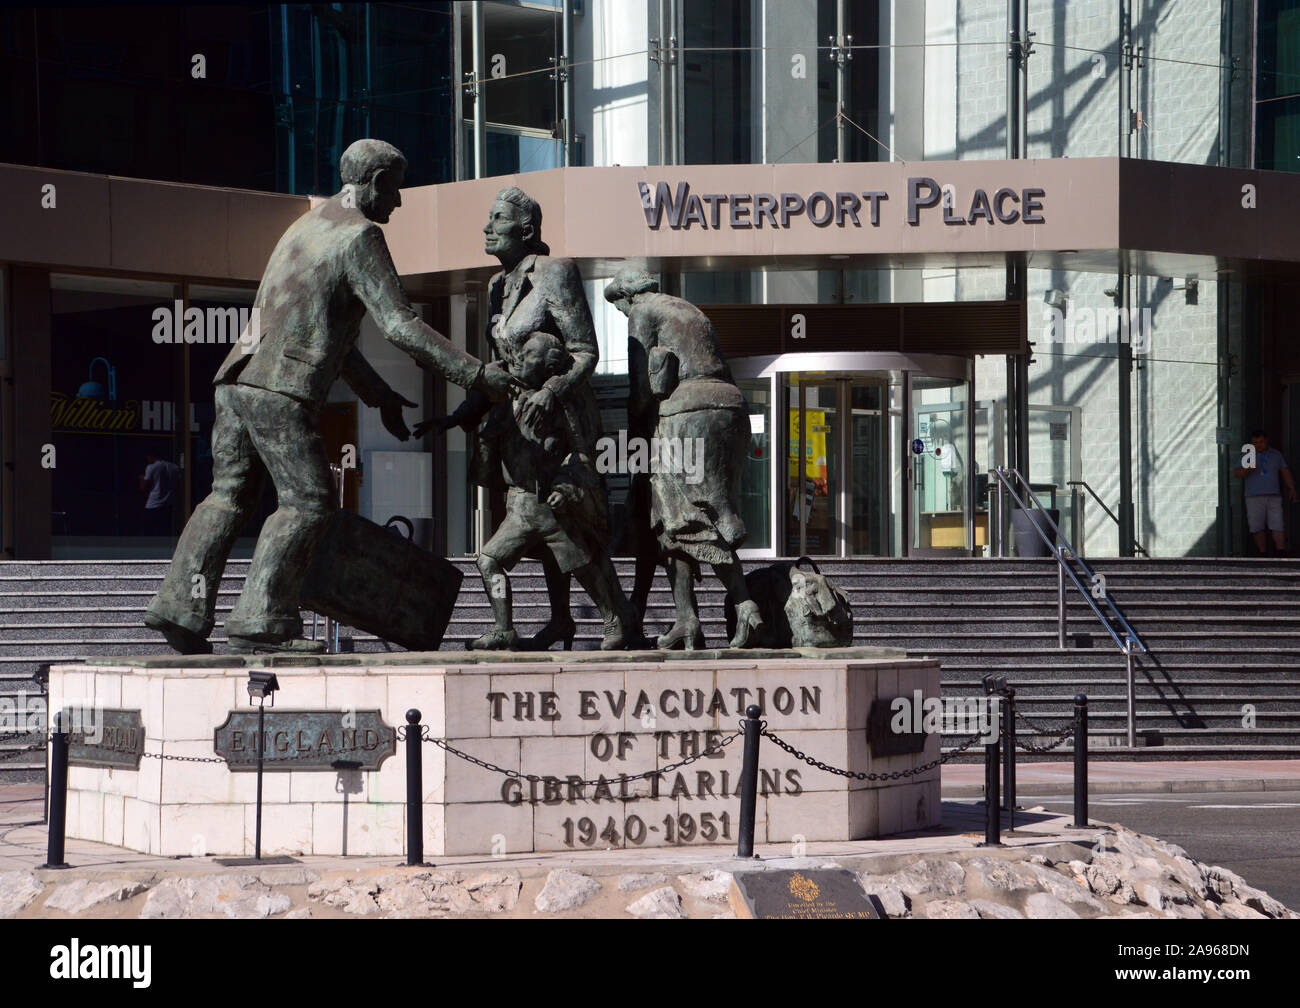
[(1254, 833)]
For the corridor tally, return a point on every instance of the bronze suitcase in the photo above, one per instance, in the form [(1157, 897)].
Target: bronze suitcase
[(374, 579)]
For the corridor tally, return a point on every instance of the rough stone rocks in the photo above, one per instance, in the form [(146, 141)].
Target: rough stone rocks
[(17, 890), (420, 894), (80, 895), (892, 899), (641, 880), (1238, 911), (996, 911), (1045, 906), (658, 904), (708, 887), (188, 897), (944, 909), (999, 875), (565, 890), (948, 878)]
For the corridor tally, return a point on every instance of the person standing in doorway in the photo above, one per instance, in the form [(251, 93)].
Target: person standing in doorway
[(1264, 481), (160, 480)]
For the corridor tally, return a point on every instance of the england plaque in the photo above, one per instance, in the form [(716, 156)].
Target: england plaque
[(306, 740), (813, 894), (104, 737)]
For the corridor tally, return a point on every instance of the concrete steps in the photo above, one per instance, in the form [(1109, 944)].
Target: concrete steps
[(1222, 633)]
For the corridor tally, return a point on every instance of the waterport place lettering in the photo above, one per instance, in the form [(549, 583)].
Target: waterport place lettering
[(683, 209)]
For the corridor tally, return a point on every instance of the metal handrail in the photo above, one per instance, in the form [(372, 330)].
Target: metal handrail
[(1132, 643), (1137, 546)]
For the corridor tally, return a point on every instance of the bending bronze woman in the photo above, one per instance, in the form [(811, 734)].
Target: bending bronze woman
[(683, 396)]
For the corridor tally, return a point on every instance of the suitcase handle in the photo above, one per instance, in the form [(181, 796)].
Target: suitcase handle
[(402, 520)]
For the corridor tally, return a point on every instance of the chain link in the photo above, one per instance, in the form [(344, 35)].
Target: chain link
[(860, 775), (253, 762), (1040, 730), (1030, 747), (717, 747), (15, 753), (1061, 736)]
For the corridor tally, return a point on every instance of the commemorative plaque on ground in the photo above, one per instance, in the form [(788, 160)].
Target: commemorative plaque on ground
[(812, 894), (306, 740)]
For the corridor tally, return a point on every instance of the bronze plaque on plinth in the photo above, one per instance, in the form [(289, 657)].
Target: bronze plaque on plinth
[(306, 740)]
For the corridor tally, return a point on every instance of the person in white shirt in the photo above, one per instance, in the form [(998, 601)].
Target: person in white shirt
[(1264, 481)]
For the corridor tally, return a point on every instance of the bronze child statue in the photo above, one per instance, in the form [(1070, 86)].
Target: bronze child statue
[(555, 500)]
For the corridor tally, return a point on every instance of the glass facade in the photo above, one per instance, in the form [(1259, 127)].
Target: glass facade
[(266, 98), (246, 97), (1277, 86)]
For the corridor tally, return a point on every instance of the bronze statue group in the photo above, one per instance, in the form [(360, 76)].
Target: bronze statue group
[(531, 412)]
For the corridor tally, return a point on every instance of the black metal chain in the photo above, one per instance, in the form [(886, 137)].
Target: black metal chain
[(717, 747), (182, 759), (1030, 747), (1061, 736), (252, 762), (15, 753), (860, 775), (1040, 730)]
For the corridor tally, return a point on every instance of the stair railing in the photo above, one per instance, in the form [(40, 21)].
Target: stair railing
[(1075, 511), (1070, 564)]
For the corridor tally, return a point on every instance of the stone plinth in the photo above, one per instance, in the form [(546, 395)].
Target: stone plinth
[(564, 717)]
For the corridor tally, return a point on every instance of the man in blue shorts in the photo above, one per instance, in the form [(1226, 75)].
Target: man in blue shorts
[(1264, 482)]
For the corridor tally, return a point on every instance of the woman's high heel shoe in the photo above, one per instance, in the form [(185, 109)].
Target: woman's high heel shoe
[(556, 630), (687, 634)]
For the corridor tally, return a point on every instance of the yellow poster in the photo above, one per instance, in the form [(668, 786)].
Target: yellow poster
[(815, 447)]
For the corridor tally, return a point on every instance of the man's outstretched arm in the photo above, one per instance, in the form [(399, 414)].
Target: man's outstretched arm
[(364, 380), (374, 280), (372, 390)]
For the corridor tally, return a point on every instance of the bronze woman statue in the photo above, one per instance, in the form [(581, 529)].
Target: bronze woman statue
[(535, 293), (683, 396)]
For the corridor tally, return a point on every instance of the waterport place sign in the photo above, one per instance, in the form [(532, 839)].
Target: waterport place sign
[(306, 740), (681, 209)]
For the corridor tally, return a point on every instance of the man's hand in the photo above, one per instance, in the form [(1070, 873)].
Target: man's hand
[(390, 411), (497, 383), (432, 425), (538, 408), (563, 494)]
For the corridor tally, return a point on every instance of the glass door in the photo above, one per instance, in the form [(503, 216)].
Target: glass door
[(868, 504), (939, 475), (812, 526)]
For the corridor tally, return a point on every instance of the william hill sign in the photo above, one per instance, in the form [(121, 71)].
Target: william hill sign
[(682, 209)]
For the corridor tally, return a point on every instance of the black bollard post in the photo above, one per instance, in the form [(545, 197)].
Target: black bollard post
[(261, 757), (1080, 761), (992, 813), (414, 790), (1009, 755), (58, 796), (749, 783)]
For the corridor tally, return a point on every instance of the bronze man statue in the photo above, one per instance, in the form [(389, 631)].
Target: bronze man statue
[(684, 403), (329, 268)]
